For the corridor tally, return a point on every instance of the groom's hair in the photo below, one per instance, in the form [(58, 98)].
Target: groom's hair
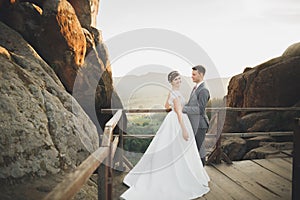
[(200, 69)]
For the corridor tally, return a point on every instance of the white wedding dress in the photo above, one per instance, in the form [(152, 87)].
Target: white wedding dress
[(171, 167)]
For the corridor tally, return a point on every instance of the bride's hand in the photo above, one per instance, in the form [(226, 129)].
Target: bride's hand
[(185, 135)]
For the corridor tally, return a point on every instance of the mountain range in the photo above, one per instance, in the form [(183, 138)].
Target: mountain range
[(150, 90)]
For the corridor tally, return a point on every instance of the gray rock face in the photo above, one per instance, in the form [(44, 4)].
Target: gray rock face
[(271, 84), (261, 152), (43, 129), (77, 55), (235, 148), (293, 50), (274, 83)]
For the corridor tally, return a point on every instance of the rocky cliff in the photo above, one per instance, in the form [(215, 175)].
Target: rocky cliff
[(55, 78), (274, 83)]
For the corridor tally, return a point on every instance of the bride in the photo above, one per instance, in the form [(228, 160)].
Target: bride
[(171, 167)]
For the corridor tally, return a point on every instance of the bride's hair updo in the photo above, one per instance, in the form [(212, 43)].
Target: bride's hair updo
[(172, 75)]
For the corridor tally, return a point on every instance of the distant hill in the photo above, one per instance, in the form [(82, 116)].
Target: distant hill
[(150, 90)]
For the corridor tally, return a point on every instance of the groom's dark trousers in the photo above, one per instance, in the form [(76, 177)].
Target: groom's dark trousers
[(200, 137)]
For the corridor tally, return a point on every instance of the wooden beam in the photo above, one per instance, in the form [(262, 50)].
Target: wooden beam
[(207, 109), (74, 181), (114, 120), (114, 147), (105, 178), (245, 135), (139, 135), (162, 110), (121, 143), (107, 137), (127, 162), (254, 134), (109, 126), (253, 109), (296, 161)]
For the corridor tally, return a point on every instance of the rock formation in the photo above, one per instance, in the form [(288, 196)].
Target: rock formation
[(274, 83), (55, 78), (43, 129)]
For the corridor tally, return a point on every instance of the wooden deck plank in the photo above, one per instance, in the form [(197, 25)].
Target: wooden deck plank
[(270, 181), (288, 159), (274, 166), (288, 152), (229, 187), (282, 163), (246, 181), (257, 179), (215, 192)]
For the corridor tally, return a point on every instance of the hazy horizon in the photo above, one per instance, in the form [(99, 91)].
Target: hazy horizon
[(150, 90)]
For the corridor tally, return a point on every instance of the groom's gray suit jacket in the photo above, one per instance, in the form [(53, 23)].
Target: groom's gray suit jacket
[(195, 108)]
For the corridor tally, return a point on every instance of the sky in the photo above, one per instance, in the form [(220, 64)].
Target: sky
[(225, 36)]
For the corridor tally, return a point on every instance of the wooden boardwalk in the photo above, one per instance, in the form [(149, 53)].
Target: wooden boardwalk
[(251, 179), (265, 179)]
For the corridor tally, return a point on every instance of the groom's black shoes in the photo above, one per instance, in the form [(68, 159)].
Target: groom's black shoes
[(203, 161)]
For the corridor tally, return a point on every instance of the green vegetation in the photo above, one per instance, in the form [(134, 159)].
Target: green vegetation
[(138, 145), (148, 124), (142, 124)]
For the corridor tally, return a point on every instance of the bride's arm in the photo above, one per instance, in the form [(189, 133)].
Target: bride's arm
[(178, 110), (167, 105)]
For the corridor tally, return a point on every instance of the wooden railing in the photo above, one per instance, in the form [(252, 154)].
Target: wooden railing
[(103, 156), (217, 154)]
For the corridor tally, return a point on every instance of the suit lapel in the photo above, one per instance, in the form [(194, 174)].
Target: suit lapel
[(196, 91), (199, 88)]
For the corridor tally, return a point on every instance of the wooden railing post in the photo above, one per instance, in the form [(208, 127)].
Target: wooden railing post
[(217, 155), (219, 133), (121, 143), (104, 172), (296, 161), (109, 180)]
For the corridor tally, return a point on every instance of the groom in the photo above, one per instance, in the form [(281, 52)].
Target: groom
[(195, 109)]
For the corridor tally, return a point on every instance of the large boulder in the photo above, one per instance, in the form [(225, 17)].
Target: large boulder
[(56, 27), (86, 10), (255, 142), (234, 147), (272, 84), (293, 50), (43, 129), (46, 49), (261, 153), (78, 55)]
